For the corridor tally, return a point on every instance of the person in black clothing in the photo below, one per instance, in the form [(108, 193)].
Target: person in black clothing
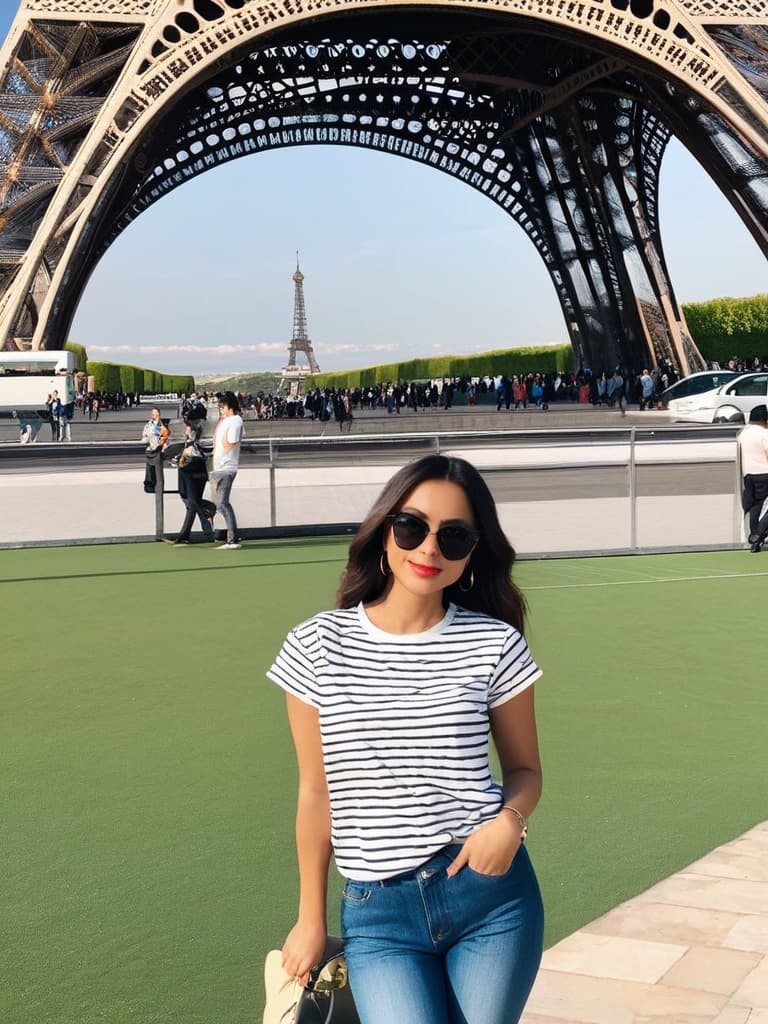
[(193, 476), (51, 417)]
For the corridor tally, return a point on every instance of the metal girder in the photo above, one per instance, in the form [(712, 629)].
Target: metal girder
[(347, 93)]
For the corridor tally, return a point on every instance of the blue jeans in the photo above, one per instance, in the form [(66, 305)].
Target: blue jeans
[(423, 948), (221, 485)]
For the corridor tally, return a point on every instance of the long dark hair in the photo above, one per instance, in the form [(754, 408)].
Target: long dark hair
[(492, 592)]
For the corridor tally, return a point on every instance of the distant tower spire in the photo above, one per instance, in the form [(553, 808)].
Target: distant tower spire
[(300, 340)]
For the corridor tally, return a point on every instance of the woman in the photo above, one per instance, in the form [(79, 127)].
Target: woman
[(155, 436), (155, 433), (390, 699), (193, 476), (519, 393)]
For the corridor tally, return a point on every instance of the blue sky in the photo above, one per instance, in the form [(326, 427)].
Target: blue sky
[(399, 260)]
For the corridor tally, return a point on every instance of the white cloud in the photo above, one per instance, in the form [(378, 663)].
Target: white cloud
[(336, 349), (262, 348)]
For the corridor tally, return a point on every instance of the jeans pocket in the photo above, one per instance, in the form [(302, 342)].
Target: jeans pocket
[(355, 893), (489, 878)]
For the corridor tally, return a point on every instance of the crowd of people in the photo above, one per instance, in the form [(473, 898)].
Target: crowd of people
[(614, 389), (94, 402), (520, 391)]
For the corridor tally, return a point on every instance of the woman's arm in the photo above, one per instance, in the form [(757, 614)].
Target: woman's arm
[(492, 848), (513, 727), (305, 943)]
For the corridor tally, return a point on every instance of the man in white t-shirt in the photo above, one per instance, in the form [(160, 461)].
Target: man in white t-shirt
[(753, 445), (226, 459)]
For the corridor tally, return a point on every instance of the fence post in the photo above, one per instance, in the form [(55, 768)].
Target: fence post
[(632, 490), (159, 504), (738, 511), (272, 489)]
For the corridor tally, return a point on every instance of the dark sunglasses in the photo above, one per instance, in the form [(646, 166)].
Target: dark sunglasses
[(455, 541)]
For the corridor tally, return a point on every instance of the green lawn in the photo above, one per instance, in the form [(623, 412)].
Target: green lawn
[(147, 778)]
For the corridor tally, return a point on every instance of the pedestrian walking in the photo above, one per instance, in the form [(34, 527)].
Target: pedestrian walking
[(193, 476), (753, 446), (647, 389), (52, 414), (226, 461)]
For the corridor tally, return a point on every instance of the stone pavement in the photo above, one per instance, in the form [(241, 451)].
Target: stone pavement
[(691, 950)]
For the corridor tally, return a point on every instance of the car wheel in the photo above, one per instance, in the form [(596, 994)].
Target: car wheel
[(727, 414)]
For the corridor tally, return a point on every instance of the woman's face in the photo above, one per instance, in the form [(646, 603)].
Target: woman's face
[(155, 415), (425, 570)]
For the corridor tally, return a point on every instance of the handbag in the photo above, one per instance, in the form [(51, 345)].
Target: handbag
[(327, 999)]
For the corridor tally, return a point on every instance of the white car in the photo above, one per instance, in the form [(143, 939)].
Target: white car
[(696, 384), (730, 403)]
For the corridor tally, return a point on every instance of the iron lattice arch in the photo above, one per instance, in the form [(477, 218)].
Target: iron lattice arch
[(559, 113), (447, 104)]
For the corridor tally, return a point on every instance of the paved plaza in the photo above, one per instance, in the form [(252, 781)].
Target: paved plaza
[(691, 950)]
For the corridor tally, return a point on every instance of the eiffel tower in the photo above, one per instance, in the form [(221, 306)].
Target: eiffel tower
[(293, 374), (557, 111)]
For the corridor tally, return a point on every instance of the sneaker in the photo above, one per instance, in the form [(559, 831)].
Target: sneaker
[(181, 540), (231, 545)]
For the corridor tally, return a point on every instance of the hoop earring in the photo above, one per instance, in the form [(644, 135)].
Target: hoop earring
[(383, 566), (466, 590)]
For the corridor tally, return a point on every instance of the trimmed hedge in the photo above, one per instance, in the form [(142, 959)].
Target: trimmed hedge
[(727, 327), (506, 361), (114, 377), (81, 356)]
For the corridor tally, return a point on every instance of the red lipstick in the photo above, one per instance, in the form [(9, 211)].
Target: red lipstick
[(424, 570)]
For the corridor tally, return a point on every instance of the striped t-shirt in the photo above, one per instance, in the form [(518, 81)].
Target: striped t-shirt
[(404, 725)]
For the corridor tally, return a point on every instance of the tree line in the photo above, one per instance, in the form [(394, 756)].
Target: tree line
[(512, 361)]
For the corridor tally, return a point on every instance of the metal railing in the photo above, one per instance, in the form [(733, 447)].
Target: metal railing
[(616, 489), (633, 452)]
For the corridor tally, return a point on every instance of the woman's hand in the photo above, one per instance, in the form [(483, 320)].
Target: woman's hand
[(492, 848), (303, 949)]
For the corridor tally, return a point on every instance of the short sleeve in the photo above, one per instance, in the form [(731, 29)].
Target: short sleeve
[(516, 671), (234, 432), (294, 667)]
